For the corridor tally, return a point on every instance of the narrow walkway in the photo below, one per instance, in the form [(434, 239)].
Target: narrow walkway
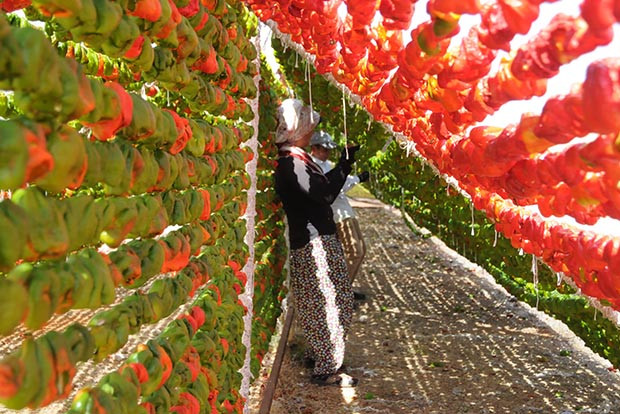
[(438, 335)]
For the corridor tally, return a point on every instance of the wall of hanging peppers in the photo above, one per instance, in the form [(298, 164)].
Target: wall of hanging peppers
[(126, 130)]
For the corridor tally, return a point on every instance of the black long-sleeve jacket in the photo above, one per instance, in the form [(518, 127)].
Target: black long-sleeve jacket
[(307, 194)]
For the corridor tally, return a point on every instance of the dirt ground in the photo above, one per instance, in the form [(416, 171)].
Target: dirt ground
[(436, 334)]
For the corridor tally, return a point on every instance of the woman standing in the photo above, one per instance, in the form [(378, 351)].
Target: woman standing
[(319, 280)]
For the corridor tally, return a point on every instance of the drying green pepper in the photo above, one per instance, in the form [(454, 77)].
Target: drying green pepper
[(121, 38), (195, 204), (143, 122), (11, 55), (94, 170), (147, 177), (48, 235), (13, 304), (175, 207), (95, 32), (125, 217), (124, 391), (93, 401), (194, 91), (87, 287), (68, 170), (43, 287), (160, 400), (204, 344), (113, 167), (80, 342), (182, 180), (196, 237), (139, 311), (41, 64), (175, 338), (165, 131), (144, 62), (160, 219), (14, 230), (161, 303), (81, 214), (151, 255), (189, 48), (59, 384), (154, 368), (144, 205), (133, 164), (127, 263), (24, 384), (199, 388), (110, 330), (196, 145), (13, 155)]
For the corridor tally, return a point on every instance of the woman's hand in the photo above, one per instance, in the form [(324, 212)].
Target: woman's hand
[(348, 154), (363, 176)]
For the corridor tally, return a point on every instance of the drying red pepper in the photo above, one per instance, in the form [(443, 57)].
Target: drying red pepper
[(455, 6), (601, 96), (12, 5), (494, 31), (40, 161), (599, 14), (519, 14), (396, 13), (147, 9), (135, 49), (184, 132), (472, 61), (362, 11)]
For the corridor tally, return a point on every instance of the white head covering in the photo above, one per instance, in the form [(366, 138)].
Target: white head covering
[(295, 120)]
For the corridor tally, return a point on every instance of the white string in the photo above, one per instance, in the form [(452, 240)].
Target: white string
[(247, 298), (495, 240), (149, 85), (387, 144), (535, 277), (306, 71), (471, 207), (310, 92), (344, 116)]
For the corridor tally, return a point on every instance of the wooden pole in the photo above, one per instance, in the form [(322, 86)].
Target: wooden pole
[(270, 388)]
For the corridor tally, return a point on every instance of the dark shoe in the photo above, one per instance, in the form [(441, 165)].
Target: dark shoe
[(308, 362), (359, 296), (334, 380)]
